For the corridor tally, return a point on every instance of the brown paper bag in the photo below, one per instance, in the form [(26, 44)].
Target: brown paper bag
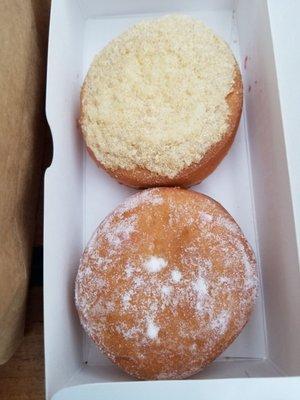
[(23, 38)]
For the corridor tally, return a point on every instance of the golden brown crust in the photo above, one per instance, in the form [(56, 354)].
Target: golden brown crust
[(197, 172), (196, 314)]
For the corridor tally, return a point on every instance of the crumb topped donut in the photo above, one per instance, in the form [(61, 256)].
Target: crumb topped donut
[(161, 103), (166, 283)]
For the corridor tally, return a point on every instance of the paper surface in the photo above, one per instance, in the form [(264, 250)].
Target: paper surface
[(23, 33)]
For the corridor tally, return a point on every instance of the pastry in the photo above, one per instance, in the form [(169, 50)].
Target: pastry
[(166, 283), (161, 103)]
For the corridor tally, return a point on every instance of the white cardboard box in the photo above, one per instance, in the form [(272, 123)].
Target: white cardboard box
[(253, 183)]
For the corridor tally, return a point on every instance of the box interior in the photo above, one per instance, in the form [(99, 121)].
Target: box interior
[(252, 183)]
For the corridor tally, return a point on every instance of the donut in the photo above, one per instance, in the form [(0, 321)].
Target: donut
[(161, 103), (166, 283)]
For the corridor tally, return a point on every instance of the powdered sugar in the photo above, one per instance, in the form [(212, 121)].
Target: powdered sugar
[(138, 281), (205, 217), (206, 264), (176, 275), (220, 322), (200, 287), (227, 223), (152, 329), (126, 299), (115, 234), (128, 333), (166, 290), (250, 281), (155, 264), (128, 270), (224, 222), (147, 197), (225, 280)]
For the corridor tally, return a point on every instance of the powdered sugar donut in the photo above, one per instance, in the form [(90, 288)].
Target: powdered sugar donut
[(166, 283)]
